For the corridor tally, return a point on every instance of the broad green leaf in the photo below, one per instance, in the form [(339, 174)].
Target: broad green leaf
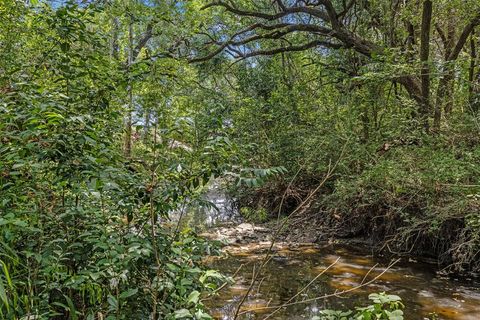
[(193, 297), (128, 293), (182, 313)]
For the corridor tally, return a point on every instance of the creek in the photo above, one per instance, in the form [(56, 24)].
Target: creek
[(425, 293)]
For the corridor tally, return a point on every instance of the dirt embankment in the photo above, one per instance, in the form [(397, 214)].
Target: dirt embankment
[(398, 227), (388, 234)]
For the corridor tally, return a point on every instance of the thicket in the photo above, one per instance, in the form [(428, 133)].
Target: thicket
[(84, 198)]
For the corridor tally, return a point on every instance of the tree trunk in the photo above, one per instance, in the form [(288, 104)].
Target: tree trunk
[(444, 94), (424, 55), (146, 128), (450, 68), (446, 83), (474, 77), (128, 121), (449, 86), (471, 70), (115, 30)]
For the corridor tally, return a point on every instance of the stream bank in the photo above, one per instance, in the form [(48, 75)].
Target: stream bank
[(293, 265), (296, 260)]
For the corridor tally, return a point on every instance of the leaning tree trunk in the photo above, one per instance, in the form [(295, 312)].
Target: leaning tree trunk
[(471, 69)]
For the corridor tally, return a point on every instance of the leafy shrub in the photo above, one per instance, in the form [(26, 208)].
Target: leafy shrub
[(385, 306), (82, 224), (254, 215)]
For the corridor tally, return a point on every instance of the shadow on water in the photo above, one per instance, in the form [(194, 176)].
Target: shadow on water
[(426, 295)]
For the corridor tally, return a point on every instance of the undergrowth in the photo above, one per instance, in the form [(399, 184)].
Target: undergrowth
[(417, 199)]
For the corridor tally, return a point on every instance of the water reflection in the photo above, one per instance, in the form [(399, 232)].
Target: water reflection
[(292, 268), (214, 208)]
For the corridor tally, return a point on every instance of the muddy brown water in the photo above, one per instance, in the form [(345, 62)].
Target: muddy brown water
[(426, 295)]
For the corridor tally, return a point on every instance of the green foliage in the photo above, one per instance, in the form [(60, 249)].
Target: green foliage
[(392, 182), (254, 215), (83, 230), (385, 306), (250, 177)]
